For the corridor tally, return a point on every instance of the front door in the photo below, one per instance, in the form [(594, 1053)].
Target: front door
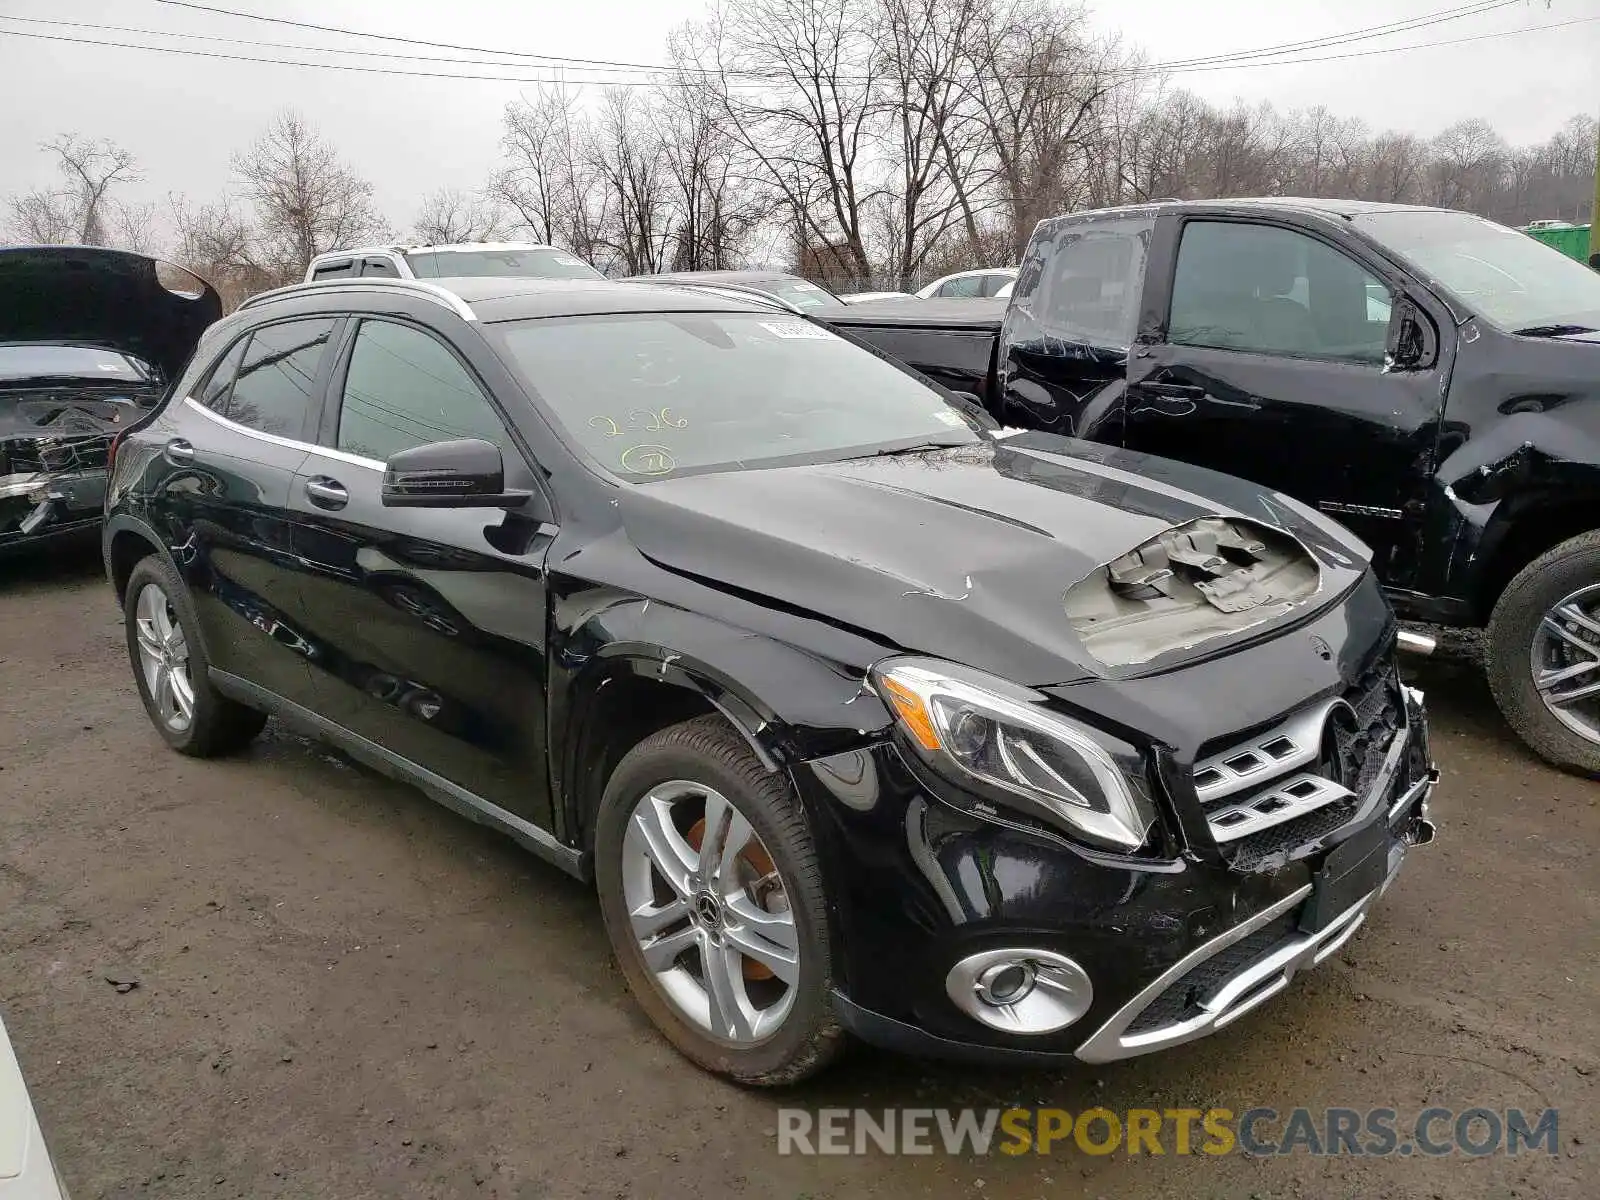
[(1269, 364), (434, 619)]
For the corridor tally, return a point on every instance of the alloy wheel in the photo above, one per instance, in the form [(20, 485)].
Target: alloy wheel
[(710, 912), (164, 658), (1565, 661)]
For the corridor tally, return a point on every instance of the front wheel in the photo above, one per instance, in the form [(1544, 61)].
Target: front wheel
[(1543, 654), (715, 907)]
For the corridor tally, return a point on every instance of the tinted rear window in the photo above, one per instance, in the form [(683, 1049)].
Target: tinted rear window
[(276, 384)]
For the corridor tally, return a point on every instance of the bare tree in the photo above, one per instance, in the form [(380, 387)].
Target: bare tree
[(547, 181), (306, 199), (921, 66), (625, 150), (83, 209), (450, 215), (1039, 79), (797, 80)]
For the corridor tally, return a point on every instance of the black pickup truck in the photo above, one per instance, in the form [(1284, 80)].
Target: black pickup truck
[(1429, 378)]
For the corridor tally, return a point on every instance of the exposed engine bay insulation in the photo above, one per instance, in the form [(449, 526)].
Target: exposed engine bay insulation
[(1206, 579)]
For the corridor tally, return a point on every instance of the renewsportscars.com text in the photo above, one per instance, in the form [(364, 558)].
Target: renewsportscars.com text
[(1378, 1132)]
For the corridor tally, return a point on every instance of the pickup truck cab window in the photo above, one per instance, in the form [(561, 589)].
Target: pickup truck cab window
[(342, 268), (276, 385), (1269, 290), (1088, 288), (382, 268), (403, 388)]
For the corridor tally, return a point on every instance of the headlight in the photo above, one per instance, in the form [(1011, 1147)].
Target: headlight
[(999, 734)]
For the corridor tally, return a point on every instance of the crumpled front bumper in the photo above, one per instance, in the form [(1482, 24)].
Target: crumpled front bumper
[(45, 505)]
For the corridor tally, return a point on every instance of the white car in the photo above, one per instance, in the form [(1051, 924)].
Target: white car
[(523, 260), (26, 1172), (968, 284), (867, 297)]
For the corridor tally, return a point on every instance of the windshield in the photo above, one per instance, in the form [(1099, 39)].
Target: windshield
[(1506, 276), (540, 262), (799, 293), (660, 394), (34, 361)]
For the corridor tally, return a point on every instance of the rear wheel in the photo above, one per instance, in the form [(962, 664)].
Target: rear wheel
[(714, 904), (170, 669), (1543, 654)]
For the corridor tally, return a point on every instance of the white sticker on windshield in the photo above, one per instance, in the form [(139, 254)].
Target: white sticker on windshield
[(948, 417), (796, 330), (801, 285), (566, 260)]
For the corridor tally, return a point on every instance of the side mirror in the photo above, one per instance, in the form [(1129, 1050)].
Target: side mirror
[(1411, 343), (469, 473)]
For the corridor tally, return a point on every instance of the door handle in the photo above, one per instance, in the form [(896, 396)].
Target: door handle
[(326, 493), (179, 451), (1185, 391)]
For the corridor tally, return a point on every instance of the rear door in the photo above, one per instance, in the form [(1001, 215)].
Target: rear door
[(219, 492), (434, 619), (1263, 356)]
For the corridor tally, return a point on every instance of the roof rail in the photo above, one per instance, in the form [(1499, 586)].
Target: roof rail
[(730, 291), (416, 287)]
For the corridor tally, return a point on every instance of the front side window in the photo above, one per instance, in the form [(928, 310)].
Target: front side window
[(380, 267), (659, 394), (276, 385), (1267, 290), (404, 388), (993, 283)]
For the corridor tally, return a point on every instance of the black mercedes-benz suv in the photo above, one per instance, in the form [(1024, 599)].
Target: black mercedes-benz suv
[(861, 715)]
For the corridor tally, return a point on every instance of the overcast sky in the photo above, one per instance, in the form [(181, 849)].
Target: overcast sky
[(183, 117)]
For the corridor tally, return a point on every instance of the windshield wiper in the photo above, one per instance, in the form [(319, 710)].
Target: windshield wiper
[(1554, 330), (919, 448)]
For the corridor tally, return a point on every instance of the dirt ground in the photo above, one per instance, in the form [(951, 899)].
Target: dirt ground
[(345, 991)]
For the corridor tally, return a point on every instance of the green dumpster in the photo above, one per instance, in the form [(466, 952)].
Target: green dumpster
[(1573, 241)]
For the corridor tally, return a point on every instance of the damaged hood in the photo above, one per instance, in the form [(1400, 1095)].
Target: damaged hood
[(969, 553), (113, 298)]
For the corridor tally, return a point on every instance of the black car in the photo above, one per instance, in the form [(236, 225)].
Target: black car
[(789, 289), (860, 717), (88, 341)]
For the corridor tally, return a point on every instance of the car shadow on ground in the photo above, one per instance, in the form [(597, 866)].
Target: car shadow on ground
[(68, 560)]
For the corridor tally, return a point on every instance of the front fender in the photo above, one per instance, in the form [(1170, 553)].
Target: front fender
[(791, 704)]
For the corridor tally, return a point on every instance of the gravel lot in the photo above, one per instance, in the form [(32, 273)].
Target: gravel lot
[(345, 991)]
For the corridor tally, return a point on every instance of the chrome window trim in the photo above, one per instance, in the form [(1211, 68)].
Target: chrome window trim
[(354, 460)]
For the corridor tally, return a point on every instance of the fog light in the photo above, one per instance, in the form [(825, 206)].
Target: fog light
[(1020, 991), (1006, 983)]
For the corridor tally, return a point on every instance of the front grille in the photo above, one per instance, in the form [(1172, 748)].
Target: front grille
[(1181, 1001), (1284, 786)]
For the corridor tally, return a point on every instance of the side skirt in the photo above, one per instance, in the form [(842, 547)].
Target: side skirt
[(574, 862)]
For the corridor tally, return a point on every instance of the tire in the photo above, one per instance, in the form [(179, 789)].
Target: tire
[(1559, 573), (213, 725), (707, 753)]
